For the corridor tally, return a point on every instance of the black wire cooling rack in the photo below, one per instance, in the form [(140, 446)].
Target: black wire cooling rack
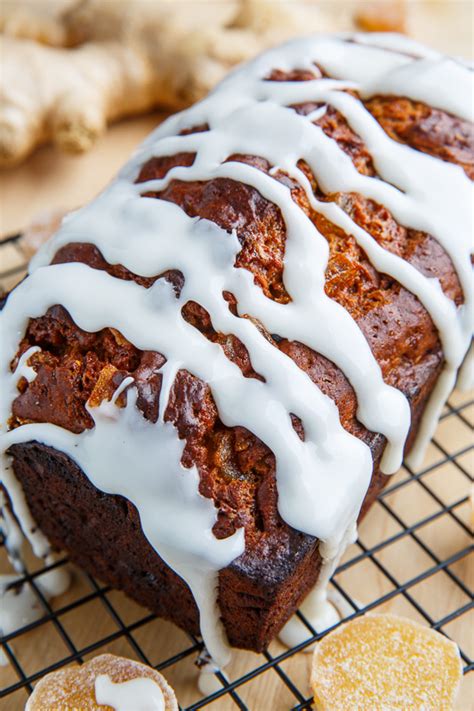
[(423, 548)]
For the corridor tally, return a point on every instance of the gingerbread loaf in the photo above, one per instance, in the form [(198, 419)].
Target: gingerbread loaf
[(266, 306)]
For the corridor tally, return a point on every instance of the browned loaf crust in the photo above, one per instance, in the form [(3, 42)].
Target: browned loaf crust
[(260, 590)]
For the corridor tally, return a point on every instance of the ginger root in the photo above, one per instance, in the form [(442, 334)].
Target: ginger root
[(123, 58), (66, 96), (36, 20)]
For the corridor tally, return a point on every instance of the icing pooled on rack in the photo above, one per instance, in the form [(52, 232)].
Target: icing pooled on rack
[(322, 478)]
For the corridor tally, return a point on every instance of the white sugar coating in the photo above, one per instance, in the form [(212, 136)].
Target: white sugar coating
[(74, 686), (384, 663), (322, 480)]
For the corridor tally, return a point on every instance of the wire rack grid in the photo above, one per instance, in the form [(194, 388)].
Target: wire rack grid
[(412, 557)]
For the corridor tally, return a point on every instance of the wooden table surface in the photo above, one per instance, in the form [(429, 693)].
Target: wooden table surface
[(52, 180)]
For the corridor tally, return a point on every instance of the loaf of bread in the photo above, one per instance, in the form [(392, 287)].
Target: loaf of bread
[(212, 369)]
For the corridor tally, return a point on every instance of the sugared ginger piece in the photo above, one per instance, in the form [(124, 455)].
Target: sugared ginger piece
[(382, 662), (76, 687)]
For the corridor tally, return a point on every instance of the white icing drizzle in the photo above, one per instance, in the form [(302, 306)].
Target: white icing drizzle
[(321, 481), (8, 392), (12, 535), (465, 379), (19, 603), (139, 694)]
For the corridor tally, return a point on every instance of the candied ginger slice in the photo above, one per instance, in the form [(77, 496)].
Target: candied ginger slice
[(73, 687), (381, 662)]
